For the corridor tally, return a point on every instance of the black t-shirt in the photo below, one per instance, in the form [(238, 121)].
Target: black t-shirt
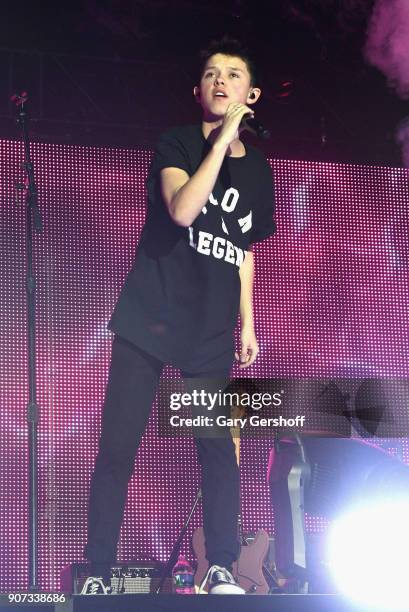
[(181, 298)]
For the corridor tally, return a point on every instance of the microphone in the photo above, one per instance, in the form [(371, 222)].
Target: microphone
[(255, 127)]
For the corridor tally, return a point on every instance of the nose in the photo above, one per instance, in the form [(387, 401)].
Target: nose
[(219, 79)]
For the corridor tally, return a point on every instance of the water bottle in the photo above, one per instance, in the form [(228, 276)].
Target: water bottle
[(183, 577)]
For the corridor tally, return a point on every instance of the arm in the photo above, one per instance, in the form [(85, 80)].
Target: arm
[(185, 196), (249, 347)]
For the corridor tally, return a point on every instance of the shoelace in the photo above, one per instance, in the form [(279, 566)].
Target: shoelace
[(95, 587), (94, 584), (212, 569)]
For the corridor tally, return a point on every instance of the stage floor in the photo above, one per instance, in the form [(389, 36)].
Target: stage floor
[(197, 603)]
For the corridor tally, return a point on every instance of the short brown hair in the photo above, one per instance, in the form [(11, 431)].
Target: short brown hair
[(230, 46)]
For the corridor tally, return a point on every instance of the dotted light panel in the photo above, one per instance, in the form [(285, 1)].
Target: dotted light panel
[(331, 299)]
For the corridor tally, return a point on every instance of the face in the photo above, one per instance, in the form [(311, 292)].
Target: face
[(225, 79)]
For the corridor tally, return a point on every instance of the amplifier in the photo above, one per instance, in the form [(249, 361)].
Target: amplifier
[(133, 577)]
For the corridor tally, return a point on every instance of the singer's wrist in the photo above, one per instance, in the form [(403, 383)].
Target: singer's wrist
[(219, 146)]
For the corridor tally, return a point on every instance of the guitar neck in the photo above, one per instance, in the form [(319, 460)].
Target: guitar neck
[(240, 529), (236, 440)]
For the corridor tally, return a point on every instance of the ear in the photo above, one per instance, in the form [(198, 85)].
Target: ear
[(253, 95), (196, 93)]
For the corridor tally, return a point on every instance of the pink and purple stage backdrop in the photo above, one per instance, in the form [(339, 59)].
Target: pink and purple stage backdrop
[(331, 299)]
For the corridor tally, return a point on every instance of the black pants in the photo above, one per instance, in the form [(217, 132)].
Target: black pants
[(132, 384)]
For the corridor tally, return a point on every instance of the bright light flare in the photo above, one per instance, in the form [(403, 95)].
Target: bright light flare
[(368, 555)]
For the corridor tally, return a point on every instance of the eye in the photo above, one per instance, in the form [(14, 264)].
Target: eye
[(208, 74), (234, 74)]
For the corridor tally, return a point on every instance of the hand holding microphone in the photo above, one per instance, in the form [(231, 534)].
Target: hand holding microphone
[(232, 122), (240, 117)]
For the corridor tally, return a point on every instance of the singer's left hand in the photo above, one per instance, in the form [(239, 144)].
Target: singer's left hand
[(248, 348)]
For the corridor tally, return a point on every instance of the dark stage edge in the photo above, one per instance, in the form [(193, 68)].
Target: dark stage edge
[(199, 603)]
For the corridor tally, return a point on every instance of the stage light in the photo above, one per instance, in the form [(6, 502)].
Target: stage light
[(328, 477), (367, 554)]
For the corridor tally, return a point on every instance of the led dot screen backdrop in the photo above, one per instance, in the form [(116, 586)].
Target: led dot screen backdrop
[(331, 299)]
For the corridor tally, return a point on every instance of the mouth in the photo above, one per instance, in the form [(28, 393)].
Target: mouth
[(220, 94)]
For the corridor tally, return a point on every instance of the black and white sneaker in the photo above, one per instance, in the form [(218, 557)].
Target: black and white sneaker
[(96, 586), (221, 582)]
